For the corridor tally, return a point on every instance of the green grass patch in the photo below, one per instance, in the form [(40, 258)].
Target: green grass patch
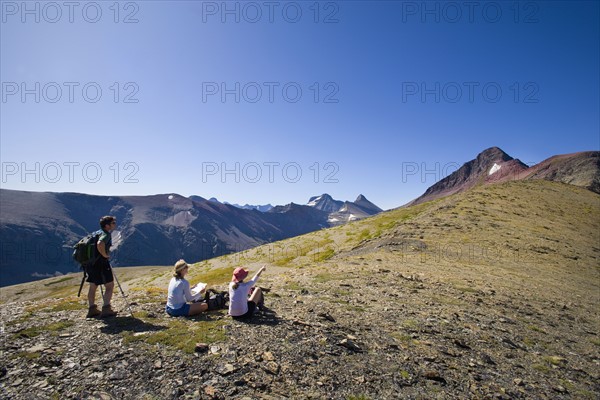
[(402, 337), (183, 334), (60, 292), (29, 356), (410, 324), (319, 249), (541, 368), (325, 277), (53, 328), (554, 360), (143, 315), (324, 242), (339, 301), (365, 234), (354, 308), (284, 261), (535, 328), (466, 289), (23, 318), (155, 291), (149, 294), (293, 285), (586, 394), (66, 278), (68, 305), (447, 300), (216, 276), (324, 255), (341, 292)]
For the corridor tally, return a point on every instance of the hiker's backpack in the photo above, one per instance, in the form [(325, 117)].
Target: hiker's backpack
[(216, 300), (85, 251)]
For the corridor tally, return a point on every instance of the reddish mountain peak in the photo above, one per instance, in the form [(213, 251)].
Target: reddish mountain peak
[(493, 165), (492, 154), (472, 173)]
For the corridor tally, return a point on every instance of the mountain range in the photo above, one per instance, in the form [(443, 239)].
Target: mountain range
[(263, 208), (341, 212), (37, 230)]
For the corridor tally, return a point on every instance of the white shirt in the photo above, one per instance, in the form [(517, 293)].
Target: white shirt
[(179, 293), (238, 298)]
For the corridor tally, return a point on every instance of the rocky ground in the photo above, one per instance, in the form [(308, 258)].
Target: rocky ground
[(337, 334), (383, 317)]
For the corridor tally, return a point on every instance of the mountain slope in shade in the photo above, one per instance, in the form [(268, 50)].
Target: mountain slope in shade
[(197, 198), (493, 166), (364, 204), (38, 230)]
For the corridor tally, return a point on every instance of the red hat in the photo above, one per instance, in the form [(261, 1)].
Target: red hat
[(239, 274)]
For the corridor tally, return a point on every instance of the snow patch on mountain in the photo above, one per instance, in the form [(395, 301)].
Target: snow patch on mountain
[(494, 169), (314, 201)]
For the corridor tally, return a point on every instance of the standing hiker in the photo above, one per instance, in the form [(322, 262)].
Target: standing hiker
[(100, 272), (180, 293), (240, 306)]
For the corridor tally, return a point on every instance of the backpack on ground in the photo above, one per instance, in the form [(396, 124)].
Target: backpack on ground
[(216, 300)]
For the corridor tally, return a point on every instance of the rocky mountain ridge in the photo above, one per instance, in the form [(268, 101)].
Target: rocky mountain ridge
[(493, 165), (341, 212)]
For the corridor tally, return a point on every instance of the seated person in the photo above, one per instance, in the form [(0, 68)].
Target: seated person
[(240, 306), (180, 294)]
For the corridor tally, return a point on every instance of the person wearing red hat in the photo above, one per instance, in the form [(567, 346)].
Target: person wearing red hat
[(240, 306)]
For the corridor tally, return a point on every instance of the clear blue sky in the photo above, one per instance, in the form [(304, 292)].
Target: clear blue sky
[(394, 94)]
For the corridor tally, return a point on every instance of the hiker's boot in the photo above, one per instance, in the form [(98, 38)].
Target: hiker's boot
[(107, 311), (93, 312)]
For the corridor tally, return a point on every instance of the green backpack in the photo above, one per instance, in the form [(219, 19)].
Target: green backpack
[(85, 251)]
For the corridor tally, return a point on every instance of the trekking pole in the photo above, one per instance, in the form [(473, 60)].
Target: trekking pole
[(81, 286), (116, 243), (122, 292)]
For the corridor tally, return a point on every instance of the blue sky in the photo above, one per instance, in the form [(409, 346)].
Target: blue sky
[(255, 102)]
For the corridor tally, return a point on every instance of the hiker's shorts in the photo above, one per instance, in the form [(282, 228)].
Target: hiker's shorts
[(249, 313), (100, 273), (182, 311)]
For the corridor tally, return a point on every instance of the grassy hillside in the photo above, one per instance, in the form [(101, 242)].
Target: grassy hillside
[(489, 293)]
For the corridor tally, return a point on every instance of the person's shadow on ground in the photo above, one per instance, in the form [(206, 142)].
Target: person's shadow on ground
[(266, 316), (118, 324)]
